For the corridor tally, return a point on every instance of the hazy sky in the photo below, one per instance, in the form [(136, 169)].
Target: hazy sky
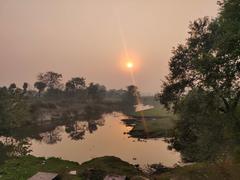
[(87, 37)]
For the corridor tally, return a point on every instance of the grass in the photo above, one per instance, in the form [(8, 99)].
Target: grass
[(109, 165), (22, 168), (157, 112), (152, 128), (203, 171), (158, 122)]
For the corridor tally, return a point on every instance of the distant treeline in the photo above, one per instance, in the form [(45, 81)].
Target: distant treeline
[(50, 85), (23, 106)]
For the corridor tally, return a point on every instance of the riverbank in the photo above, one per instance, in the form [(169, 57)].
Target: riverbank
[(157, 111), (200, 171), (26, 166), (151, 123), (47, 111)]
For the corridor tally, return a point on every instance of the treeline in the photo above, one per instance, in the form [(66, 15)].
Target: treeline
[(203, 88), (49, 85), (23, 106)]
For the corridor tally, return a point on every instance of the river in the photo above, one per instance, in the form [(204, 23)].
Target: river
[(107, 137)]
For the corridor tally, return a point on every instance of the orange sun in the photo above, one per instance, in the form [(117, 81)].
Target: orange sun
[(129, 65)]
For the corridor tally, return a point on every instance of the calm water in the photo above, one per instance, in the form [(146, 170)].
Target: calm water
[(107, 138)]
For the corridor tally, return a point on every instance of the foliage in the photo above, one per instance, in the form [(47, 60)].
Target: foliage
[(203, 86), (40, 86), (151, 128), (202, 130), (109, 165), (75, 84), (205, 62), (130, 99), (10, 147), (14, 112), (12, 87), (51, 79), (24, 167), (200, 171), (25, 86), (96, 92), (76, 89), (157, 169)]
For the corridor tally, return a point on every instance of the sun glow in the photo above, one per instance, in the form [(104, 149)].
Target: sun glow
[(129, 65), (130, 62)]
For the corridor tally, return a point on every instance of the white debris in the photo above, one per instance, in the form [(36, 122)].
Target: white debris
[(44, 176), (73, 172), (142, 107)]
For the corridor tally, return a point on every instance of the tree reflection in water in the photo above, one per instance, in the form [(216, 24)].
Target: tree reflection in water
[(76, 127), (10, 147), (93, 119), (51, 137), (76, 130), (17, 142)]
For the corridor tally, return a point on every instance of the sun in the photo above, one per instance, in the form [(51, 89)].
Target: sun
[(129, 65)]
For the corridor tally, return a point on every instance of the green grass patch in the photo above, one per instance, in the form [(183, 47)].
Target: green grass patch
[(156, 112), (153, 128), (200, 171), (22, 168), (157, 122), (108, 165)]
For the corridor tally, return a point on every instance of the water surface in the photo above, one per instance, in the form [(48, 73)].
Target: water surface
[(106, 138)]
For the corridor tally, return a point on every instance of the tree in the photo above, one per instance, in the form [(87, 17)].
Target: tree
[(14, 111), (25, 86), (51, 79), (132, 95), (203, 86), (201, 63), (11, 148), (96, 92), (200, 132), (75, 84), (12, 87), (115, 95), (69, 86), (40, 86), (130, 99)]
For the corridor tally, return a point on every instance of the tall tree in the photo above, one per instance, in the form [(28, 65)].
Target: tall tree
[(130, 99), (76, 84), (51, 79), (25, 86), (40, 86), (203, 85), (204, 63), (96, 92), (12, 87), (14, 110)]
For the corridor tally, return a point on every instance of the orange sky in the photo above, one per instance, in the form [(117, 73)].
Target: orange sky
[(88, 37)]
